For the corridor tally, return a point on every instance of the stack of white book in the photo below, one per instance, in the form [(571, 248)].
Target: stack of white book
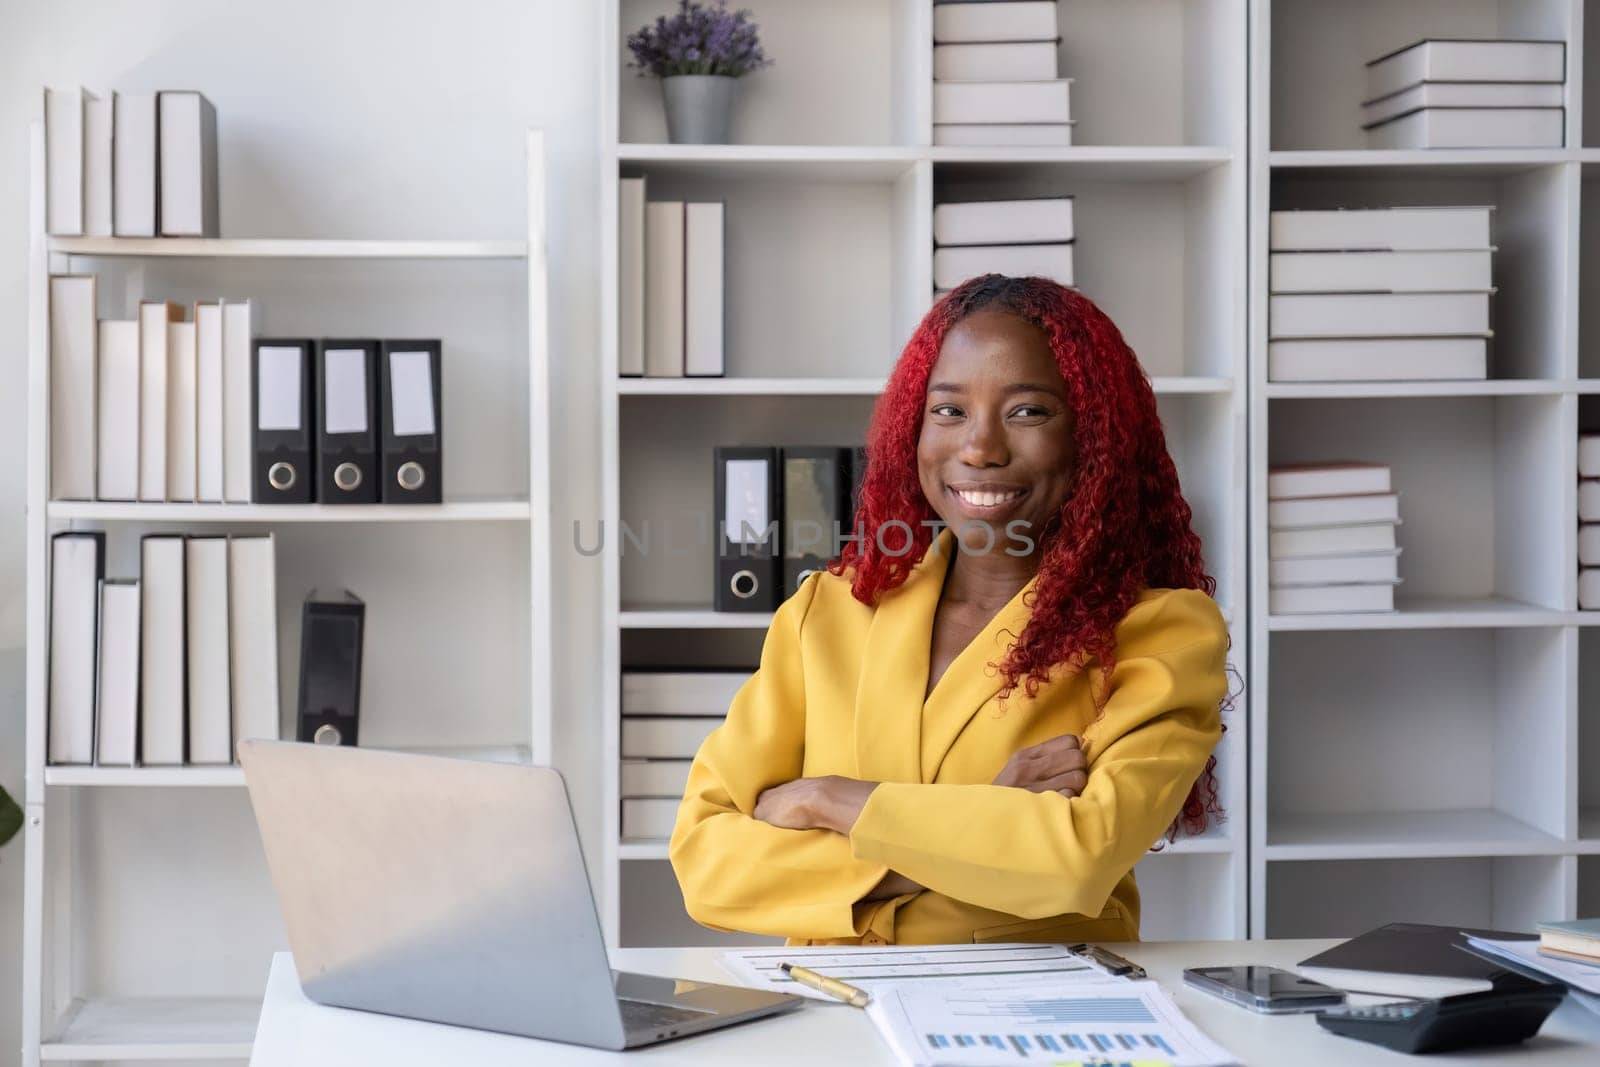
[(995, 76), (169, 668), (130, 164), (152, 409), (1467, 94), (670, 285), (665, 717), (1016, 237), (1589, 521), (1331, 538), (1382, 294)]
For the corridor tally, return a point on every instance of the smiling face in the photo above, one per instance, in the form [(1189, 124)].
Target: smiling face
[(997, 432)]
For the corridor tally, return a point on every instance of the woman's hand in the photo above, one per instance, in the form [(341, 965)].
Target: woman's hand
[(831, 802), (1057, 764)]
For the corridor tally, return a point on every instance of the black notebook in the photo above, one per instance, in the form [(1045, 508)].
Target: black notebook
[(1409, 960)]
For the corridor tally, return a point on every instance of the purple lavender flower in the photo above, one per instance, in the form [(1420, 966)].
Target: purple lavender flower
[(698, 39)]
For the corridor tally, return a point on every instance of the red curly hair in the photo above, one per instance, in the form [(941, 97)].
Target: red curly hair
[(1125, 527)]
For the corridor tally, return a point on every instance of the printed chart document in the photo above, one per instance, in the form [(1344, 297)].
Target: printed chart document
[(869, 968), (956, 1024)]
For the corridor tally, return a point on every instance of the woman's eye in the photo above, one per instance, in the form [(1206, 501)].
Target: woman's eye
[(1029, 411), (949, 410)]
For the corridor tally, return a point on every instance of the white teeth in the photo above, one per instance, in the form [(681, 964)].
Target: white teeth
[(987, 500)]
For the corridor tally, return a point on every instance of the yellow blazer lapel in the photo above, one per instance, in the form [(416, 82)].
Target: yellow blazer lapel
[(894, 672), (969, 683)]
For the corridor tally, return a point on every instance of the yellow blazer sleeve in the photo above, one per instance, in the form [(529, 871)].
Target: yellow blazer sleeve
[(1036, 855), (735, 871)]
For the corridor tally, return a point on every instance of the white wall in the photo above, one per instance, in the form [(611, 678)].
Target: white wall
[(355, 118)]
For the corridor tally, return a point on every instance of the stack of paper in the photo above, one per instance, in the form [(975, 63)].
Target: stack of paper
[(1589, 521), (665, 717), (1581, 979), (670, 285), (130, 164), (1467, 94), (167, 669), (994, 1003), (1016, 237), (1331, 538), (995, 77), (152, 409), (1379, 295)]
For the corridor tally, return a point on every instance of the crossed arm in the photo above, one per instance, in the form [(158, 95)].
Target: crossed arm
[(833, 802), (762, 848)]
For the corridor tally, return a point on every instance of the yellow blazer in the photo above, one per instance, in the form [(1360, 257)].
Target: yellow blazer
[(840, 691)]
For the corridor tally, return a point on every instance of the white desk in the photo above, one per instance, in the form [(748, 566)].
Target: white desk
[(294, 1032)]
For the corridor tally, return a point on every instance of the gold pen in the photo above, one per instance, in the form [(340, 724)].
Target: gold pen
[(823, 984)]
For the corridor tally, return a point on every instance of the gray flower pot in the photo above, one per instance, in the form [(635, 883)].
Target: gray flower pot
[(699, 107)]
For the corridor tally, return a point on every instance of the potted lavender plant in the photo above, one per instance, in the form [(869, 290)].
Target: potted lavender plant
[(699, 53)]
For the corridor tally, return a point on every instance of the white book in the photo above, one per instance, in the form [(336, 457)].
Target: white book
[(655, 777), (703, 290), (1031, 20), (116, 731), (1373, 359), (187, 126), (1333, 511), (208, 402), (206, 624), (182, 412), (1004, 134), (1000, 61), (1465, 270), (1462, 94), (253, 636), (1007, 102), (76, 566), (1472, 127), (154, 372), (650, 817), (1589, 589), (1466, 61), (97, 127), (1396, 229), (1331, 541), (1589, 455), (1589, 500), (999, 222), (630, 279), (236, 395), (1335, 570), (1378, 315), (954, 265), (1330, 599), (73, 337), (663, 289), (1297, 481), (117, 411), (680, 692), (162, 711), (1589, 545), (665, 738), (1390, 984), (133, 151), (63, 153)]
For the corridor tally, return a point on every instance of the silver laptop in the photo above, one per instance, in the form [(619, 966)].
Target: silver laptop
[(454, 891)]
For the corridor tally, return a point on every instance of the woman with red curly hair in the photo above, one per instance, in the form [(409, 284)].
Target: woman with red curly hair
[(998, 698)]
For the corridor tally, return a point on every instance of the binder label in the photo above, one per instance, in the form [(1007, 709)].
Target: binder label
[(278, 388), (344, 391), (411, 387)]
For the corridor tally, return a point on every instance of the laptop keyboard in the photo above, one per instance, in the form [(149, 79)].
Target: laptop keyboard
[(643, 1015)]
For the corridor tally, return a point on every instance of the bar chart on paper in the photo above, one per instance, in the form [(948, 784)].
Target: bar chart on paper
[(1027, 1022)]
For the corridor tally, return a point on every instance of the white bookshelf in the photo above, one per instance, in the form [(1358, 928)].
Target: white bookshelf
[(458, 638), (830, 185), (1426, 765)]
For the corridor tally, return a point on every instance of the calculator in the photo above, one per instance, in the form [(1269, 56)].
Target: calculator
[(1504, 1015)]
